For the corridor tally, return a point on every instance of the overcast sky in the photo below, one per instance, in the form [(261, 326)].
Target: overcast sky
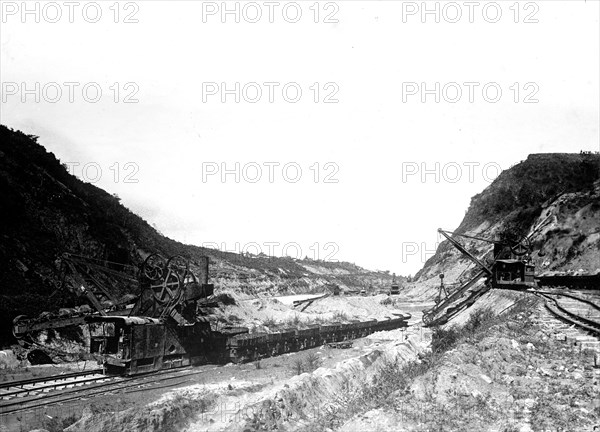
[(360, 195)]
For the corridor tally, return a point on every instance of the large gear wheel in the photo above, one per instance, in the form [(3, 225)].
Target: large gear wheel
[(170, 290), (154, 267), (179, 265), (521, 248)]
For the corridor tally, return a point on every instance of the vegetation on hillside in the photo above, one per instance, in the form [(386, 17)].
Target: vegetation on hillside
[(515, 199), (46, 211), (497, 372), (518, 194)]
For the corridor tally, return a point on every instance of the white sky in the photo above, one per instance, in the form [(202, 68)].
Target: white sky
[(371, 214)]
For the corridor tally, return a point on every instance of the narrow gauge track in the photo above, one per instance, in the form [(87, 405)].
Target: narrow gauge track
[(125, 384), (571, 309), (21, 388)]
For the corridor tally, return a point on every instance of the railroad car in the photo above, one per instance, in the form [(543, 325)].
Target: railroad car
[(381, 324), (134, 345), (163, 330), (168, 324), (353, 331), (366, 327), (308, 337), (576, 281), (281, 342), (241, 348), (330, 332)]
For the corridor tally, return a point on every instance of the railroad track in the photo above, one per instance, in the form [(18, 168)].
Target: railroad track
[(22, 388), (577, 311), (155, 380), (30, 394)]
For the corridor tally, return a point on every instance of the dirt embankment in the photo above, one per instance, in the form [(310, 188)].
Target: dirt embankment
[(246, 397), (513, 374), (278, 276), (269, 313), (507, 372), (246, 386)]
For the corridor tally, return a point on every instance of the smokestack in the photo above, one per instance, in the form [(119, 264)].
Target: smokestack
[(203, 275)]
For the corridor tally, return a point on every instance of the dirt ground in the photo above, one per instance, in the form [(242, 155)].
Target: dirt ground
[(519, 375), (245, 379), (269, 313), (238, 393)]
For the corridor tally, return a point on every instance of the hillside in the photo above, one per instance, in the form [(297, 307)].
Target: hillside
[(46, 212), (560, 190)]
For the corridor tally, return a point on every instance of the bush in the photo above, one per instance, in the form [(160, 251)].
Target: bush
[(313, 361), (296, 320), (387, 301), (293, 322), (298, 367), (340, 316), (309, 364), (444, 339), (68, 421), (269, 322), (478, 319)]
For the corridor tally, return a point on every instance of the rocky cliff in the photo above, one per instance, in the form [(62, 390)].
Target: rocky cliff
[(557, 193)]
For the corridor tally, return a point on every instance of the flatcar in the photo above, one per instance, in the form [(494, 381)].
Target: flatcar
[(135, 345)]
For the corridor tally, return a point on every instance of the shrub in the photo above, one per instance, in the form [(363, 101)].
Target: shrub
[(444, 339), (269, 322), (296, 320), (478, 319), (53, 425), (298, 367), (293, 322), (387, 301), (340, 316), (319, 320), (68, 421), (313, 361)]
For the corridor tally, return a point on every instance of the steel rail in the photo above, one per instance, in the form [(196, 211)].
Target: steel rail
[(570, 317), (28, 391), (90, 391), (19, 383), (582, 300)]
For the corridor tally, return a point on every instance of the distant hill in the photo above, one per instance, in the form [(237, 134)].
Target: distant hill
[(563, 187), (46, 211)]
